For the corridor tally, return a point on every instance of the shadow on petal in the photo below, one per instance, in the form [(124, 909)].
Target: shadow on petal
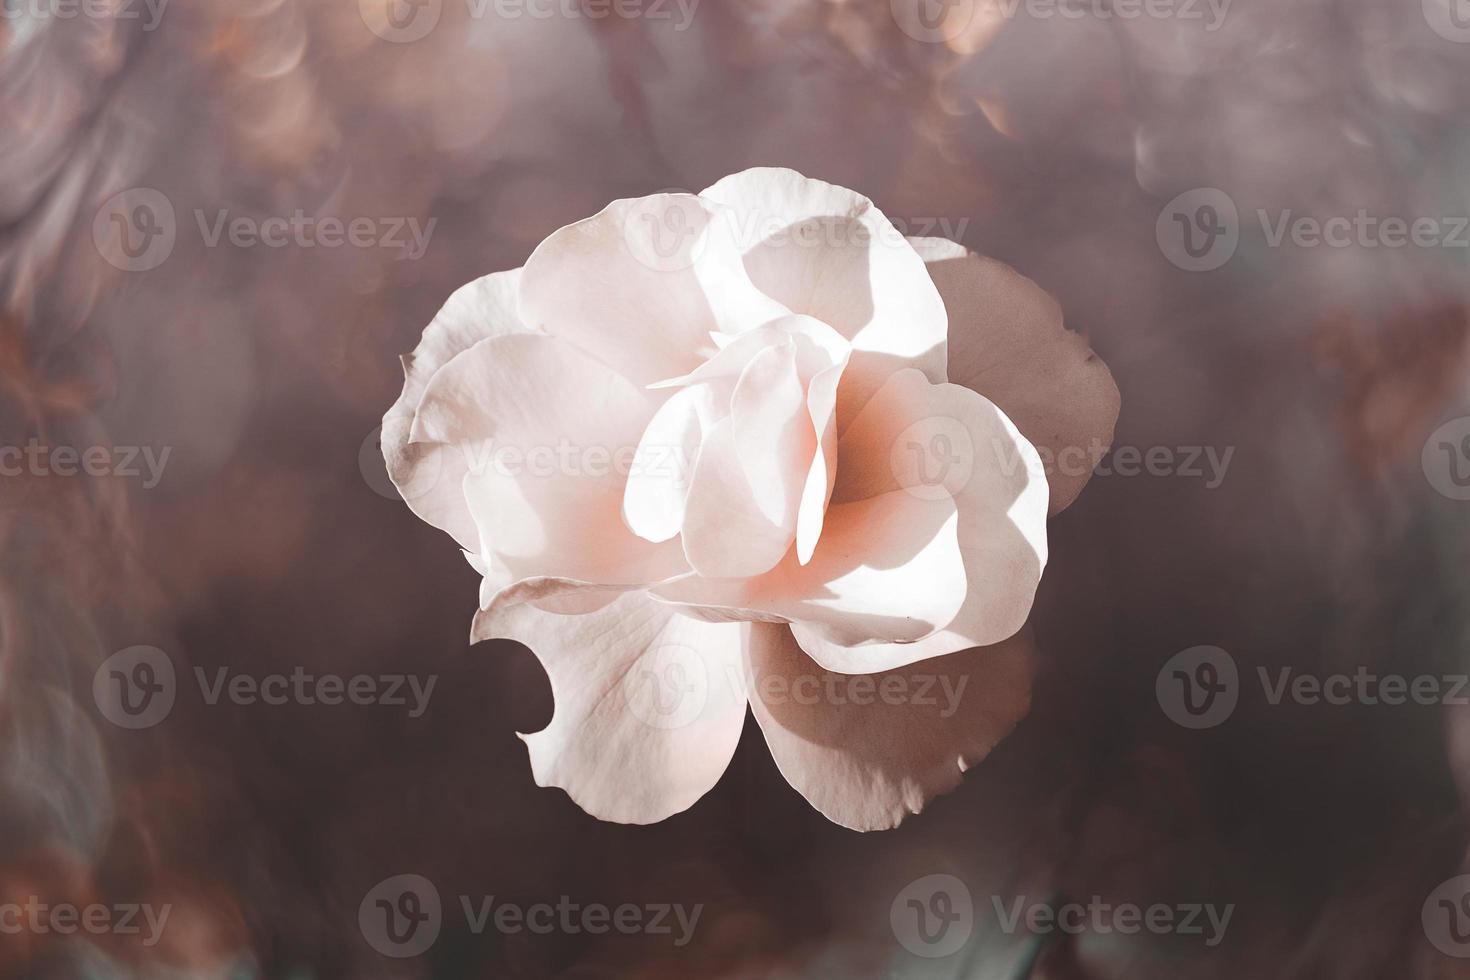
[(867, 750)]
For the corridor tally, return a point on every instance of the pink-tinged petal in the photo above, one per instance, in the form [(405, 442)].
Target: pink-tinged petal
[(658, 481), (725, 533), (828, 252), (821, 398), (542, 426), (427, 475), (729, 361), (641, 285), (868, 750), (818, 346), (1007, 341), (773, 433), (886, 567), (948, 443), (649, 704)]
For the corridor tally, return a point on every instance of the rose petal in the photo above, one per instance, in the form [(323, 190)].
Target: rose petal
[(773, 433), (828, 252), (542, 424), (658, 481), (494, 576), (887, 567), (818, 347), (947, 442), (821, 399), (740, 516), (625, 285), (726, 535), (649, 704), (779, 384), (428, 477), (567, 596), (867, 766), (1007, 341)]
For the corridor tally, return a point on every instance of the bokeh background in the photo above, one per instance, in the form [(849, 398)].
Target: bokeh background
[(1054, 143)]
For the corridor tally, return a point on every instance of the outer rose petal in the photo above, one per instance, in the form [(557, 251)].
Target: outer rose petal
[(537, 395), (626, 285), (429, 476), (1007, 341), (867, 766), (567, 596), (997, 486), (649, 704), (826, 251)]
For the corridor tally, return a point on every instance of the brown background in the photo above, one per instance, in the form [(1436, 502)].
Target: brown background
[(1048, 143)]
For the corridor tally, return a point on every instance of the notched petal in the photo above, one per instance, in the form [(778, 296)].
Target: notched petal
[(649, 704)]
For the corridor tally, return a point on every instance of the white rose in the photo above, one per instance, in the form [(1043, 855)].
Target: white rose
[(753, 446)]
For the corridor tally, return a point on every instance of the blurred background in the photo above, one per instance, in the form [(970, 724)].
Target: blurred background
[(1150, 165)]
